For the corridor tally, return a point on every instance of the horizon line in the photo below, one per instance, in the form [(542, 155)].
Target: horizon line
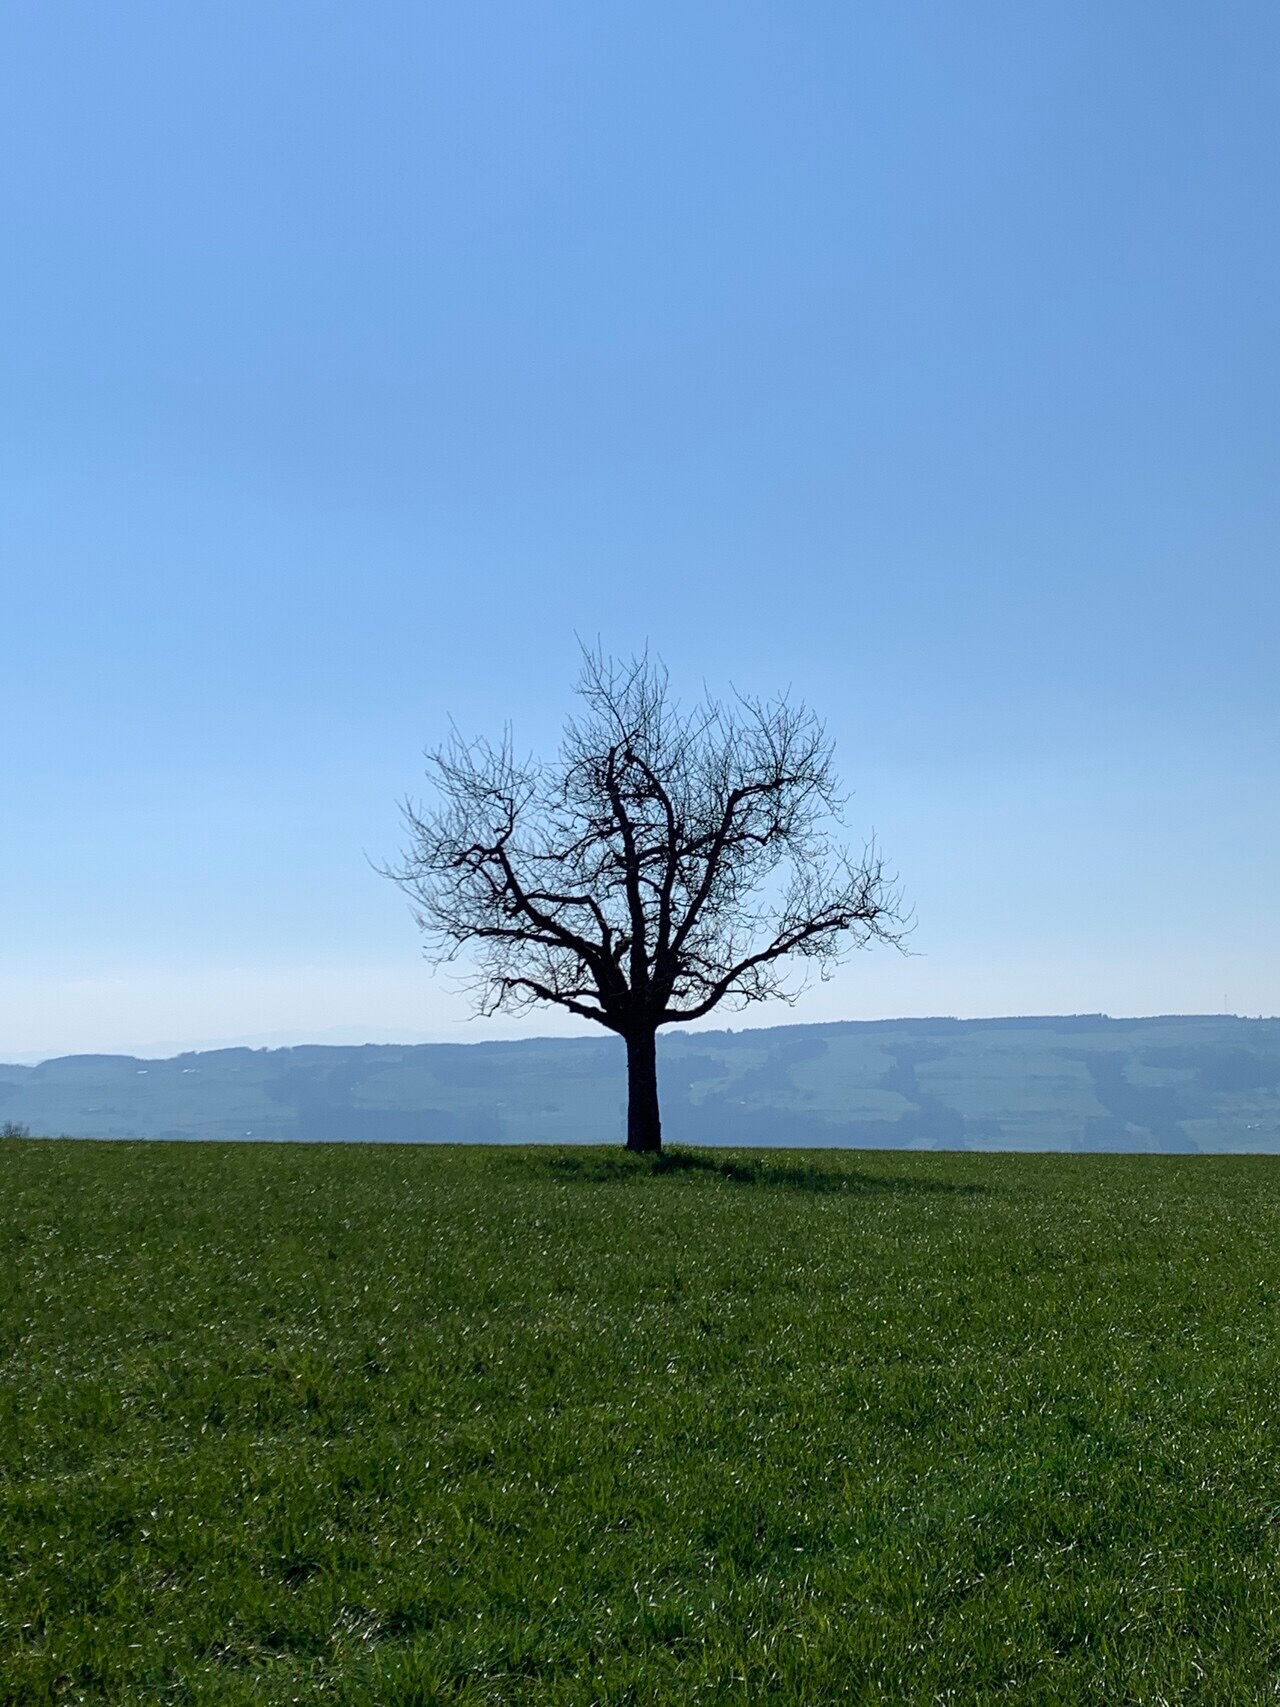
[(171, 1052)]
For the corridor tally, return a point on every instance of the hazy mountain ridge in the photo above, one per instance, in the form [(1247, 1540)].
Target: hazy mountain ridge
[(1085, 1082)]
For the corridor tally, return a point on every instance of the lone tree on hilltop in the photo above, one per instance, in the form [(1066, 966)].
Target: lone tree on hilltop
[(666, 861)]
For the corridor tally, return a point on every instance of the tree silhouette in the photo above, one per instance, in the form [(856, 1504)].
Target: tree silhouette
[(666, 861)]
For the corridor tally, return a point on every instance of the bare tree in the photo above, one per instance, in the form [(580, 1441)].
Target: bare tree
[(666, 861)]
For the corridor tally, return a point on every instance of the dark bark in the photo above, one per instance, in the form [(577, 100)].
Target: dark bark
[(644, 1124)]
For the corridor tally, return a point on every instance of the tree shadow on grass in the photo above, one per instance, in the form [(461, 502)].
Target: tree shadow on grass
[(592, 1167)]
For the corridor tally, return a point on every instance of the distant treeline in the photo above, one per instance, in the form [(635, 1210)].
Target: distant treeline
[(1085, 1082)]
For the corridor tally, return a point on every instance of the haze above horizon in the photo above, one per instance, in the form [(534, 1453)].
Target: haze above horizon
[(925, 361)]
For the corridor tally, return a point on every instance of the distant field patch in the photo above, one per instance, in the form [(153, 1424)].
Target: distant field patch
[(400, 1425)]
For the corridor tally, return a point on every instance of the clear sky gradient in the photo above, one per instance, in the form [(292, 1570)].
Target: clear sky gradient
[(923, 357)]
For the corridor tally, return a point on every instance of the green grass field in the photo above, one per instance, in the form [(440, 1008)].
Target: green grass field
[(391, 1425)]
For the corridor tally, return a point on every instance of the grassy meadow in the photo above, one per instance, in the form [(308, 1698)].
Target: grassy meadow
[(394, 1425)]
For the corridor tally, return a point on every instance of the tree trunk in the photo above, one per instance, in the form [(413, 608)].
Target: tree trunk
[(644, 1125)]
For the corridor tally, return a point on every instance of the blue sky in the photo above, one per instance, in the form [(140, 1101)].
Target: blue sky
[(922, 357)]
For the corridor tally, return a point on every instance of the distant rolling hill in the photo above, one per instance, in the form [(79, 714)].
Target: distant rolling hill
[(1182, 1083)]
